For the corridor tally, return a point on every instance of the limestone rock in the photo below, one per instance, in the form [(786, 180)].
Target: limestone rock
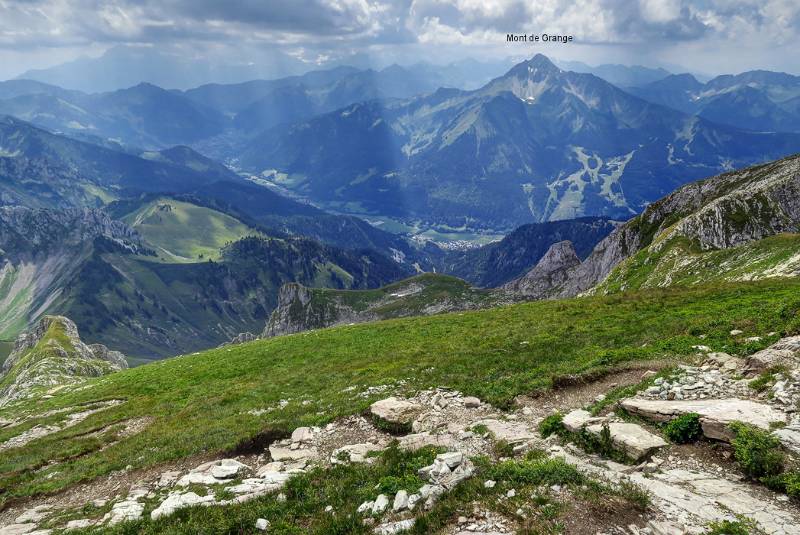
[(23, 529), (784, 352), (510, 431), (400, 501), (715, 414), (124, 511), (472, 402), (395, 411), (177, 500), (55, 356), (354, 453), (552, 271), (302, 435), (416, 441), (790, 437), (392, 528), (213, 472), (575, 420), (380, 505), (283, 451), (633, 439)]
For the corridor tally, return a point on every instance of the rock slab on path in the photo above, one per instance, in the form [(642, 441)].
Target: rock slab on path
[(633, 439), (395, 410), (715, 414)]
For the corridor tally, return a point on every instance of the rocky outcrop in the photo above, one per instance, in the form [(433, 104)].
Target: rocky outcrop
[(301, 308), (50, 357), (295, 313), (552, 271), (720, 212)]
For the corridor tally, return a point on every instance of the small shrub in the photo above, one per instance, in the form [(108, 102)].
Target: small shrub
[(503, 449), (393, 484), (788, 482), (730, 527), (684, 429), (767, 377), (791, 484), (480, 429), (757, 452), (538, 472), (634, 494), (552, 425)]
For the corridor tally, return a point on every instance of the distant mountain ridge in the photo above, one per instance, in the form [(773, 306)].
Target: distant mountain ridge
[(537, 144), (753, 100), (623, 76)]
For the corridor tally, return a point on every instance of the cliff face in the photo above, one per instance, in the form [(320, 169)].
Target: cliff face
[(552, 271), (721, 212), (296, 312), (52, 356), (42, 250)]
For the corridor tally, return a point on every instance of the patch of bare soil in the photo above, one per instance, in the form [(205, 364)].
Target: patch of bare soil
[(579, 391)]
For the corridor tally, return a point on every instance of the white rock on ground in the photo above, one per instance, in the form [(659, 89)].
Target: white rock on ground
[(784, 352), (394, 527), (34, 514), (633, 439), (715, 414), (177, 500), (447, 470), (82, 523), (790, 437), (510, 431), (127, 509), (380, 505), (23, 529), (575, 420), (395, 411), (283, 451), (417, 441), (472, 402), (262, 524), (354, 453), (213, 472), (302, 435), (400, 501)]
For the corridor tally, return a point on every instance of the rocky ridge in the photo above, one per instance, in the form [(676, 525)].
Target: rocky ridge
[(720, 212), (51, 357), (42, 250)]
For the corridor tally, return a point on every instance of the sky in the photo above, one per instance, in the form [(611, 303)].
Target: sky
[(705, 36)]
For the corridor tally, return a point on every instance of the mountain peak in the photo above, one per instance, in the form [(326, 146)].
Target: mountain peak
[(539, 65)]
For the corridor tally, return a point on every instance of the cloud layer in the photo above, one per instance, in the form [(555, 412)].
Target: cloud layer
[(325, 28)]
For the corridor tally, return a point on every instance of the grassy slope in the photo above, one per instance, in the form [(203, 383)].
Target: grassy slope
[(5, 350), (681, 263), (185, 232), (201, 403), (435, 288)]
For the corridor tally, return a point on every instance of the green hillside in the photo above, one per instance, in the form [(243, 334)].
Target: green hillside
[(201, 403), (300, 309), (679, 262), (182, 232)]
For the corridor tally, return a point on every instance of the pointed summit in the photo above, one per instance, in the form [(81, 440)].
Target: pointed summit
[(527, 80), (536, 67)]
